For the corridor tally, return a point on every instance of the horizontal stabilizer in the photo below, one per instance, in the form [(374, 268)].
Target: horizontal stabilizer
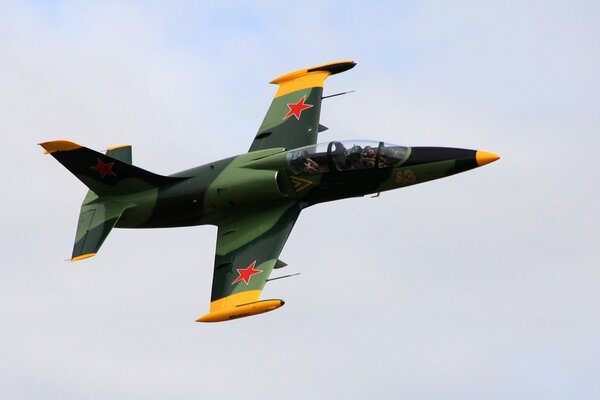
[(110, 173)]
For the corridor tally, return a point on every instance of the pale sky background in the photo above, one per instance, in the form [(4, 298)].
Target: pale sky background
[(485, 285)]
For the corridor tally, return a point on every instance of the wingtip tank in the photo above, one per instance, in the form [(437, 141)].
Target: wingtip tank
[(331, 68), (244, 310), (309, 77)]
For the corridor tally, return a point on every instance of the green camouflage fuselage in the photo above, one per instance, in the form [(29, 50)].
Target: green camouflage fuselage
[(255, 198), (258, 180)]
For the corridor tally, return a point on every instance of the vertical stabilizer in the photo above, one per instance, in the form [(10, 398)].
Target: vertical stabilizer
[(97, 218), (111, 177)]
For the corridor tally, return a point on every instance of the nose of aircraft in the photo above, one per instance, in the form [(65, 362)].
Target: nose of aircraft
[(466, 158), (429, 163), (483, 157)]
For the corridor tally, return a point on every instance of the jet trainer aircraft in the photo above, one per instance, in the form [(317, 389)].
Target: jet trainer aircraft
[(254, 198)]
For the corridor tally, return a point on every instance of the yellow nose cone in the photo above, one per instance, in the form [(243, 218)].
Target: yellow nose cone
[(483, 157)]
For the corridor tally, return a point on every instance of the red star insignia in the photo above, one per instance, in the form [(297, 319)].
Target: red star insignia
[(296, 109), (246, 273), (104, 169)]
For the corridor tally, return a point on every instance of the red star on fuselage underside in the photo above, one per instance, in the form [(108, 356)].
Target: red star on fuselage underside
[(246, 273), (104, 169), (296, 109)]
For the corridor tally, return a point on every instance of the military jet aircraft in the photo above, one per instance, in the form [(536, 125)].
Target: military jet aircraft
[(254, 198)]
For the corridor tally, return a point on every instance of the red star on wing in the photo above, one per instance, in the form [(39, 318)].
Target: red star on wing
[(246, 273), (296, 109), (104, 169)]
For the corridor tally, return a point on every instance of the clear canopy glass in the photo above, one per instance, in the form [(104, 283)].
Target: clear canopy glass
[(346, 155)]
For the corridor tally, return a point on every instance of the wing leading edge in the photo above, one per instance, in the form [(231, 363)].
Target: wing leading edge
[(248, 247), (292, 120)]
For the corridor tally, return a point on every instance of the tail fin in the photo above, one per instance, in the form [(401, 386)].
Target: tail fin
[(121, 153), (105, 173), (96, 219), (107, 176)]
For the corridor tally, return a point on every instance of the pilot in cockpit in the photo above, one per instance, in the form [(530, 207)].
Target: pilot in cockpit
[(353, 157), (310, 166), (367, 159)]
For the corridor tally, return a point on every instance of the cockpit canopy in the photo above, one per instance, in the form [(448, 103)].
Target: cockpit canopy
[(341, 156)]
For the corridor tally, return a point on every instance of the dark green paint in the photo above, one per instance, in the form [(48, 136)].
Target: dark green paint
[(253, 198)]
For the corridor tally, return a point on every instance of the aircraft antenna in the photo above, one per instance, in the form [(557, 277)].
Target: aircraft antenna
[(337, 94), (281, 277)]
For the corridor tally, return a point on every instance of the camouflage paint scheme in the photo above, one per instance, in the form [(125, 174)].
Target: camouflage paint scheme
[(254, 198)]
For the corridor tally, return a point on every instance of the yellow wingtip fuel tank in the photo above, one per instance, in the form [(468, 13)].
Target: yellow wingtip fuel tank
[(244, 310)]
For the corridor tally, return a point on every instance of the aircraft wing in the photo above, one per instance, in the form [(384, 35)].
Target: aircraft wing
[(292, 120), (248, 248)]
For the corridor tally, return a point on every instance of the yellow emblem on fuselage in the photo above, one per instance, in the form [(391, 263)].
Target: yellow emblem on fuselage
[(300, 183)]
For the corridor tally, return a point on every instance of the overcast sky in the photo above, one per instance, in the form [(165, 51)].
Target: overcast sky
[(482, 285)]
